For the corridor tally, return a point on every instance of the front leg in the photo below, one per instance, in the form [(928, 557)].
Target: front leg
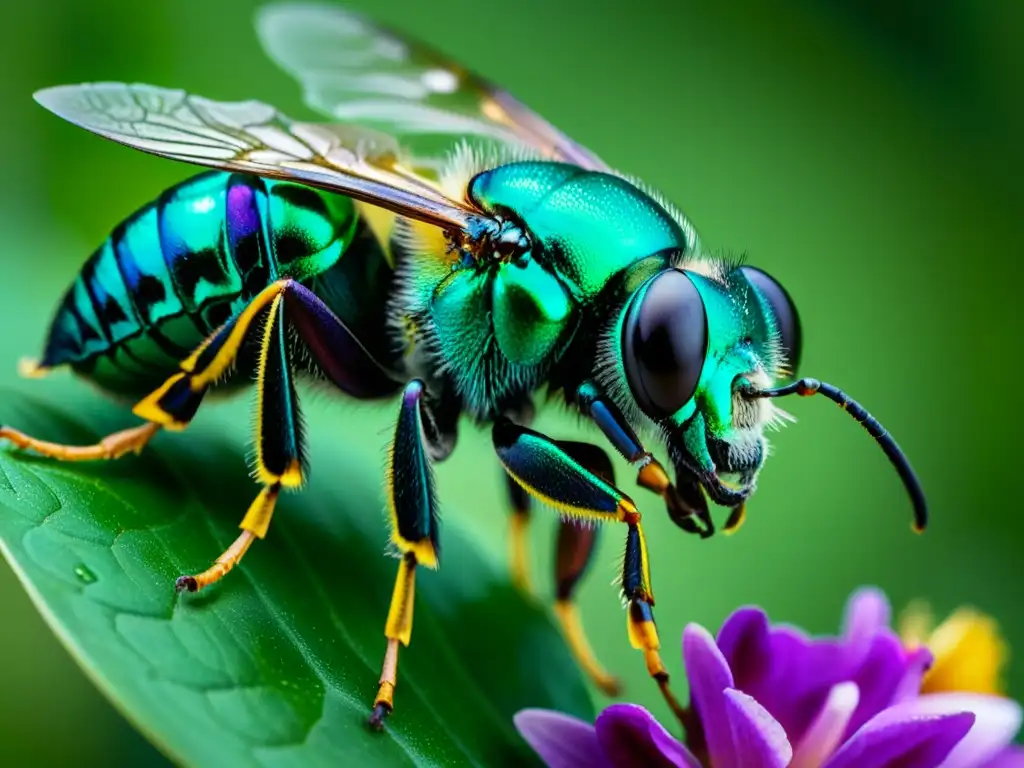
[(549, 474), (685, 500)]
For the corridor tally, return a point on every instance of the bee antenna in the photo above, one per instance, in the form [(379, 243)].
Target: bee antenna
[(807, 387)]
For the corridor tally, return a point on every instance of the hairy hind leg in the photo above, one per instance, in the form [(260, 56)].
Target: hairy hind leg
[(179, 404), (280, 456), (339, 355), (279, 446)]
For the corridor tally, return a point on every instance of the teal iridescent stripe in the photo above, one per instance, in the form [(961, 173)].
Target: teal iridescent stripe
[(182, 265)]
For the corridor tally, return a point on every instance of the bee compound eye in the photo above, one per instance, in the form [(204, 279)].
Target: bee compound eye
[(664, 342), (783, 312)]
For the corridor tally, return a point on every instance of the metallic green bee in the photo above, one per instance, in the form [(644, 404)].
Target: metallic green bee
[(467, 284)]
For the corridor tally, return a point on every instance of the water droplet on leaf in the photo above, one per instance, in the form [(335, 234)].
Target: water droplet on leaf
[(84, 574)]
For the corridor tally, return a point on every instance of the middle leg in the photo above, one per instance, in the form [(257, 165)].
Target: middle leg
[(574, 548), (412, 506), (519, 526), (573, 554), (519, 518), (552, 476)]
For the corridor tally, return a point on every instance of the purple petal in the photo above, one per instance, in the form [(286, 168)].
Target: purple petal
[(629, 735), (709, 676), (803, 673), (867, 613), (826, 732), (561, 741), (1011, 757), (743, 640), (997, 721), (758, 739), (879, 677), (899, 735), (918, 661)]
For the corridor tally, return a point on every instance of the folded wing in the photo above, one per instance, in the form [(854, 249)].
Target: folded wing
[(253, 137), (353, 70)]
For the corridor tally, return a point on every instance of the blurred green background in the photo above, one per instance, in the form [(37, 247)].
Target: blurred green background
[(867, 154)]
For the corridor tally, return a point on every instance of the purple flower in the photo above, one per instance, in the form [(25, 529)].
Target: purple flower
[(766, 696)]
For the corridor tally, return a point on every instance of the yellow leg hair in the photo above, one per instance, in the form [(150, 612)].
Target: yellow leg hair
[(575, 637), (254, 526), (398, 630), (110, 447), (229, 350)]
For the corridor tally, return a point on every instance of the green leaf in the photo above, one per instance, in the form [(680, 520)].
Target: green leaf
[(277, 664)]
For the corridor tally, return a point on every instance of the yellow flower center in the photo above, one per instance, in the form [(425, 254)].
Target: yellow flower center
[(970, 653)]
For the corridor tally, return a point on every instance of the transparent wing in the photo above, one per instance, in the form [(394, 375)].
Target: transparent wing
[(353, 70), (253, 137)]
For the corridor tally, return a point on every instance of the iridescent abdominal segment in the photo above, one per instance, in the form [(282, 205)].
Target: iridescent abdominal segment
[(177, 269)]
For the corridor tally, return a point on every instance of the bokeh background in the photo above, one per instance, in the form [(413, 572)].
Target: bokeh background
[(867, 154)]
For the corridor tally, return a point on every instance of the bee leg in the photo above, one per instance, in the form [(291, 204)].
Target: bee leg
[(254, 526), (175, 402), (547, 472), (339, 355), (414, 531), (737, 517), (687, 507), (113, 446), (519, 519), (172, 405), (343, 360), (519, 524), (279, 446), (643, 634), (422, 435), (575, 547)]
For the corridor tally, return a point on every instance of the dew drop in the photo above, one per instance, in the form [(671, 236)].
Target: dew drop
[(84, 574)]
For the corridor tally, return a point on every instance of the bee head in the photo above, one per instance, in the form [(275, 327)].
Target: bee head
[(705, 350), (693, 343)]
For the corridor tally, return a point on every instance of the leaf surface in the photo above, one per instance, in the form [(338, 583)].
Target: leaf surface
[(277, 664)]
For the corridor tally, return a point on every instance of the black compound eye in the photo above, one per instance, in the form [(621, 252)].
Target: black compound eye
[(782, 307), (664, 342)]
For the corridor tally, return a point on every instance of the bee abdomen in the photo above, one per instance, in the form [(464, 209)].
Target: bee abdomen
[(181, 266)]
